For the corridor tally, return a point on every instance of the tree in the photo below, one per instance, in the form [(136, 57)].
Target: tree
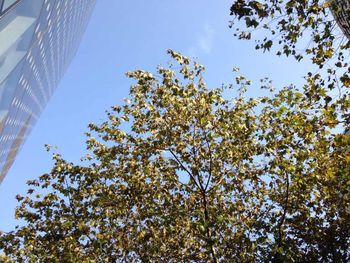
[(300, 28), (183, 173)]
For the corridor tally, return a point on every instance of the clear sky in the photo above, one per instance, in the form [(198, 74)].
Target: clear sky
[(124, 35)]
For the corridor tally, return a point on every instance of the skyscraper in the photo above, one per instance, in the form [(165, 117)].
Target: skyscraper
[(38, 39)]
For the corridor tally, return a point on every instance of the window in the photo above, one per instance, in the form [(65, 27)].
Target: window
[(6, 4)]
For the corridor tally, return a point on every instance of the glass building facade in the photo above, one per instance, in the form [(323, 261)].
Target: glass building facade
[(38, 39)]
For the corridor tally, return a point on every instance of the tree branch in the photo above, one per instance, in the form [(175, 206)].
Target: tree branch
[(184, 168)]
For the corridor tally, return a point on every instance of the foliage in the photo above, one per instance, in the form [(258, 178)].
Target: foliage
[(181, 173), (299, 28)]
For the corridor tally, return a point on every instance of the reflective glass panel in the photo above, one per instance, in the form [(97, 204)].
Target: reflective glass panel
[(16, 32), (8, 3)]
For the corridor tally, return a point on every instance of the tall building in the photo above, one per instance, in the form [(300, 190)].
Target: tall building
[(38, 39)]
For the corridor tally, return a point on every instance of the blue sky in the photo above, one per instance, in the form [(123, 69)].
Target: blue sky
[(125, 35)]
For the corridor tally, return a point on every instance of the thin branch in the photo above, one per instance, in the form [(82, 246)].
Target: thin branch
[(210, 163), (184, 168), (283, 217)]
